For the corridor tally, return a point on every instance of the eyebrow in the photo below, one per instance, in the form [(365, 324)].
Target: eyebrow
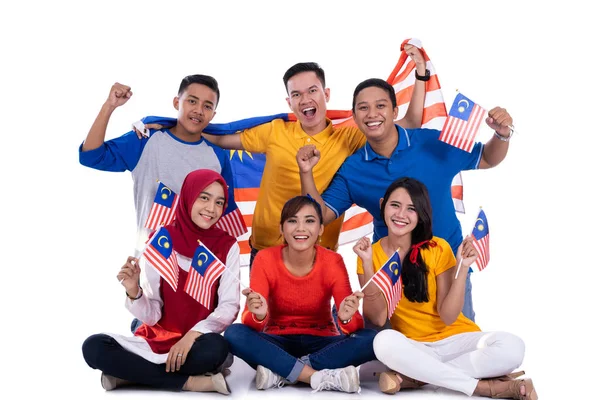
[(211, 195), (298, 91), (197, 98), (383, 99)]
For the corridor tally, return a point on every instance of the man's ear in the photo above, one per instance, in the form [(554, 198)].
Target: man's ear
[(213, 115), (395, 113), (288, 101), (327, 93), (380, 202), (176, 102)]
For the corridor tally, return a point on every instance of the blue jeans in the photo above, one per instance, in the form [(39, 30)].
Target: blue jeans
[(468, 310), (286, 355)]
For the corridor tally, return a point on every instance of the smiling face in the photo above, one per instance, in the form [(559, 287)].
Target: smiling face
[(196, 106), (400, 214), (302, 230), (308, 101), (374, 113), (209, 206)]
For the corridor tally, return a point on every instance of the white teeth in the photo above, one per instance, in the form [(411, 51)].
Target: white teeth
[(374, 123), (300, 237), (309, 109)]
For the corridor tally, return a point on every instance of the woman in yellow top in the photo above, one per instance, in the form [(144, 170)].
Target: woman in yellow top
[(431, 340)]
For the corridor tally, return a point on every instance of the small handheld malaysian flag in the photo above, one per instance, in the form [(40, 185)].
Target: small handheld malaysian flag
[(163, 209), (205, 269), (481, 236), (160, 255), (388, 279), (462, 124)]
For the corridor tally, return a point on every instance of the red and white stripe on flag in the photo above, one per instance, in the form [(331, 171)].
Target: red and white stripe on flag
[(167, 268), (161, 215), (483, 248), (392, 294), (200, 287), (232, 223), (462, 124)]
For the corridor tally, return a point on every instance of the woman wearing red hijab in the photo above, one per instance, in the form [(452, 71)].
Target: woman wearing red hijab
[(179, 345)]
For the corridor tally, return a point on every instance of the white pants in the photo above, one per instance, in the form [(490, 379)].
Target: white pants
[(456, 362)]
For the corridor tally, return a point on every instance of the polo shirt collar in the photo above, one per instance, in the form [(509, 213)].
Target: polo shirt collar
[(320, 137), (403, 143)]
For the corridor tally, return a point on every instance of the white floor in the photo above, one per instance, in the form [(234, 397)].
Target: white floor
[(241, 384)]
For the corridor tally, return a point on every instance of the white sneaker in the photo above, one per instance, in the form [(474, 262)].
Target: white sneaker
[(341, 379), (266, 379)]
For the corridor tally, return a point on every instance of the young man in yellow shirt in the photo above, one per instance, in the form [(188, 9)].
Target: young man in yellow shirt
[(280, 141)]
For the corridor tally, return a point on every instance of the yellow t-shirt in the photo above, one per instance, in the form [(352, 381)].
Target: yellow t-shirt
[(421, 321), (280, 141)]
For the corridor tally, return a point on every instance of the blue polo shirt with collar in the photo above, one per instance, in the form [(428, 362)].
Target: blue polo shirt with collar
[(365, 176)]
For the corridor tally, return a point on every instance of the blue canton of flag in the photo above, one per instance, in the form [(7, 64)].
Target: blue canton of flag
[(159, 254), (481, 236), (388, 280), (204, 271), (462, 124), (163, 208), (164, 196)]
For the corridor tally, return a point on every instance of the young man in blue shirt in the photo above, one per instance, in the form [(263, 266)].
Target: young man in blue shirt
[(392, 152)]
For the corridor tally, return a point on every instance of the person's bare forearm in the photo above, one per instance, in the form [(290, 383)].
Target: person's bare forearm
[(97, 133), (308, 186)]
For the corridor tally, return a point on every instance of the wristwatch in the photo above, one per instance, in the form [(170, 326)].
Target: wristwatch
[(345, 322), (424, 77)]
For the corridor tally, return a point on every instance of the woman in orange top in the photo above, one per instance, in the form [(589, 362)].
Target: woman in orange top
[(288, 333), (432, 341)]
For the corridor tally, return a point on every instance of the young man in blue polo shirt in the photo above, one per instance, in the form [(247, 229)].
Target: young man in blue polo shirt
[(392, 152)]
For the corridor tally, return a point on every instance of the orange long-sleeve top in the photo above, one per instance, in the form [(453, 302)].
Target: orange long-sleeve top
[(300, 305)]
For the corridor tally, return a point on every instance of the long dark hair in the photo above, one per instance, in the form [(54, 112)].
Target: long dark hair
[(414, 275)]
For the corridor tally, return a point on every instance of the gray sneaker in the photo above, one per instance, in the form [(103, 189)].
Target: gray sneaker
[(266, 379), (226, 364), (341, 379), (110, 382)]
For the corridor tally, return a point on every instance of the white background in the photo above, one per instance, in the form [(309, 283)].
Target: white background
[(66, 229)]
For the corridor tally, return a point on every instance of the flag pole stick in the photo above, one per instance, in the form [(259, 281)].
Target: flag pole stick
[(369, 281), (458, 255)]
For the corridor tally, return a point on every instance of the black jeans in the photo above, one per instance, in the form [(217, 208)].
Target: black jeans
[(104, 353)]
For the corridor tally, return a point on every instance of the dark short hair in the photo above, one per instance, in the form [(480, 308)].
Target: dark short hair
[(375, 82), (304, 67), (205, 80), (293, 205)]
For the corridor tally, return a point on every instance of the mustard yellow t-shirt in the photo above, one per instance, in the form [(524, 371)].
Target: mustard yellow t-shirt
[(421, 321), (280, 141)]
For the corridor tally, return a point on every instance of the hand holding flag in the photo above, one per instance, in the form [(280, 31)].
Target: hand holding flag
[(256, 303), (129, 275), (389, 280)]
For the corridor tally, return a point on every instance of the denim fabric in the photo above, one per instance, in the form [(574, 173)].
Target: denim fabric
[(286, 355), (468, 310)]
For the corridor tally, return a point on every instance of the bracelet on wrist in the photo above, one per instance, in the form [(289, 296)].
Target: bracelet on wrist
[(345, 322), (504, 138), (423, 77), (139, 294)]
